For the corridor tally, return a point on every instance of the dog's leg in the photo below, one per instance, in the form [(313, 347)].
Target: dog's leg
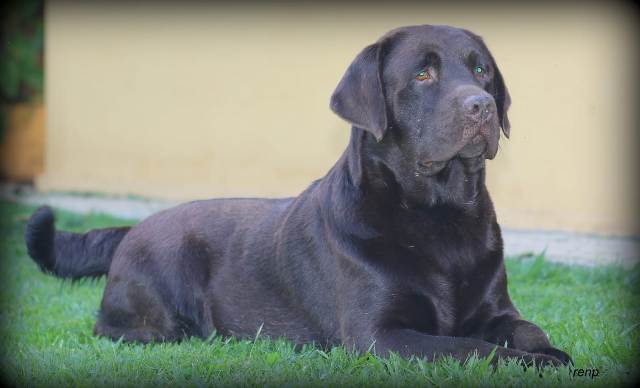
[(131, 311), (142, 335), (409, 342), (523, 335)]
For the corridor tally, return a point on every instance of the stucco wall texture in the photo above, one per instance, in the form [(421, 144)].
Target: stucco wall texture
[(188, 100)]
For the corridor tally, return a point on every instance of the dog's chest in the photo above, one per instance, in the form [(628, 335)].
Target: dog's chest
[(440, 281), (439, 302)]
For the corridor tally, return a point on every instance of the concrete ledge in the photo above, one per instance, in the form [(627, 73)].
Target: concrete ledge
[(573, 248)]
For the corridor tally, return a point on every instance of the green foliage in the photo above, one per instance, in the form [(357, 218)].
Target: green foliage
[(46, 339), (21, 74), (21, 54)]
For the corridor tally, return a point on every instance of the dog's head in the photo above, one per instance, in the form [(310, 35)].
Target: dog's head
[(430, 96)]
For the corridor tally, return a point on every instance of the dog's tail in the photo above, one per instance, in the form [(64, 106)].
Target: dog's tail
[(70, 255)]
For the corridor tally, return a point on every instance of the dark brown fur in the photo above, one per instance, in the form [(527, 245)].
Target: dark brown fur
[(396, 246)]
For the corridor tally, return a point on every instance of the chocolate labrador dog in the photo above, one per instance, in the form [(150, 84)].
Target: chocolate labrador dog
[(396, 247)]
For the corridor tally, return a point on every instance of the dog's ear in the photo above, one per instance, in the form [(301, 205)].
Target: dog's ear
[(499, 92), (503, 99), (359, 97)]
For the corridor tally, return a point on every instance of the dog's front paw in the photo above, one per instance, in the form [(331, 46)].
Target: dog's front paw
[(558, 354), (540, 360)]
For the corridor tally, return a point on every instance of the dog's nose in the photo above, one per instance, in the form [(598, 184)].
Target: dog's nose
[(478, 107)]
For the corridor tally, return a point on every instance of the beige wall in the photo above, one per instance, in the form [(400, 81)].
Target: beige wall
[(200, 101)]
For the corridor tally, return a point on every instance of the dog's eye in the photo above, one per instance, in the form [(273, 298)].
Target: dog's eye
[(479, 70), (423, 75)]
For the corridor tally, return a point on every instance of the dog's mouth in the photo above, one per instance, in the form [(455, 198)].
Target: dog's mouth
[(474, 148), (472, 157), (471, 165)]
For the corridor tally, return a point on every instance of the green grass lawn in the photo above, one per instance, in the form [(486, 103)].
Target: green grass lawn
[(46, 325)]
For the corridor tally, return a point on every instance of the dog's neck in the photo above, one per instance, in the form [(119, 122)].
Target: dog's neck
[(370, 193)]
